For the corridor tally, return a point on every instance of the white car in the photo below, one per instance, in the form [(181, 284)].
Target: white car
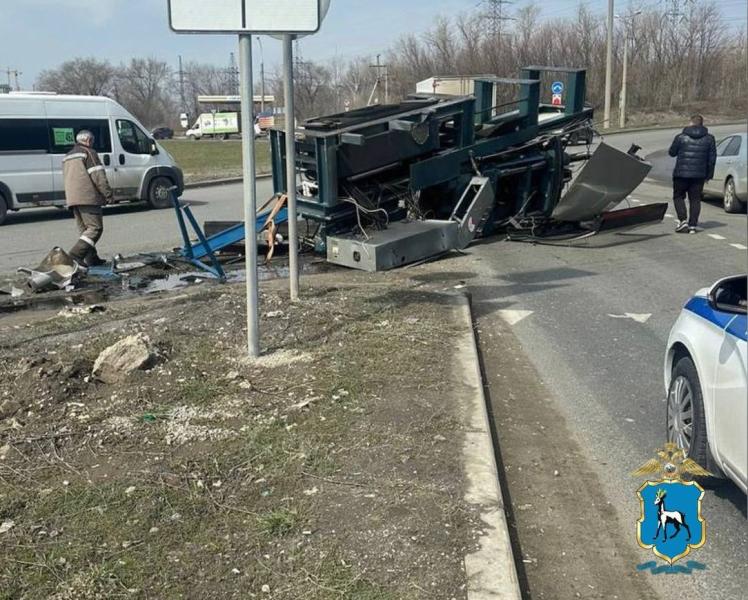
[(731, 173), (707, 382)]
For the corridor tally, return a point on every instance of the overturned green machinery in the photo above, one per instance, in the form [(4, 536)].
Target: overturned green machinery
[(387, 185)]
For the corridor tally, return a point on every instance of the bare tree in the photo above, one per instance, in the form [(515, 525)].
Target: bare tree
[(145, 87), (85, 76)]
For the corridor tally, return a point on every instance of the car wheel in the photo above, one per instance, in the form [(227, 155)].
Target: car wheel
[(3, 210), (686, 423), (730, 199), (159, 194)]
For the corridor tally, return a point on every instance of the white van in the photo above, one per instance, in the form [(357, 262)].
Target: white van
[(38, 129)]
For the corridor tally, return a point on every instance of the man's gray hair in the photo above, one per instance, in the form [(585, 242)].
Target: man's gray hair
[(84, 135)]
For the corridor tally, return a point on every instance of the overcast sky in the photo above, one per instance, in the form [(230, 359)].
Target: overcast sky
[(37, 34)]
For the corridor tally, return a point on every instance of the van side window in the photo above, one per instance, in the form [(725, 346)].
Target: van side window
[(24, 135), (132, 138), (62, 134)]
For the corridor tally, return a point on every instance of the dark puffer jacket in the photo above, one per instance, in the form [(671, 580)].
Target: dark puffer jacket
[(695, 152)]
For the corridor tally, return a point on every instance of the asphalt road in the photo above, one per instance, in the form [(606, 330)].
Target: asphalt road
[(128, 228), (567, 306)]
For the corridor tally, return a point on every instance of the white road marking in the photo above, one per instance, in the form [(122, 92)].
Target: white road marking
[(716, 236), (739, 246), (514, 316), (638, 317), (635, 200)]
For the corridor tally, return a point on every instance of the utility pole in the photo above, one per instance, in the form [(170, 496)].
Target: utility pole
[(608, 67), (181, 86), (13, 73), (233, 76), (495, 14), (262, 76), (622, 99), (380, 68)]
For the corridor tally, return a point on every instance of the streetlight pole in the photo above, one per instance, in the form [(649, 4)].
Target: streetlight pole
[(608, 67)]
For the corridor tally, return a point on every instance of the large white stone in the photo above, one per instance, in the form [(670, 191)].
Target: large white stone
[(119, 360)]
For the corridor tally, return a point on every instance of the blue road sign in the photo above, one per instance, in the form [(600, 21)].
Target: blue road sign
[(557, 87)]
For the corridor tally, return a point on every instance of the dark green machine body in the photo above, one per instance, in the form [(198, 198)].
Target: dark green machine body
[(375, 165)]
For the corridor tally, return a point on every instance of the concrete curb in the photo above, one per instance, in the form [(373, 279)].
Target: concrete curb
[(216, 182), (491, 572)]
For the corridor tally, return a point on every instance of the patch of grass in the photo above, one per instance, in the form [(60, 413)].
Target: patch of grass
[(278, 522), (345, 582), (207, 159), (199, 391)]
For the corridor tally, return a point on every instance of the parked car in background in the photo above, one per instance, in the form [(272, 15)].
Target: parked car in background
[(38, 129), (706, 380), (730, 174), (162, 133)]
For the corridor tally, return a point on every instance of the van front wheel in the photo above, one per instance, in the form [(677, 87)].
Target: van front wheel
[(3, 209), (159, 195)]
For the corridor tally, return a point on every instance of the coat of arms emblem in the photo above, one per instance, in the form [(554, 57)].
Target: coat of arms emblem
[(671, 523)]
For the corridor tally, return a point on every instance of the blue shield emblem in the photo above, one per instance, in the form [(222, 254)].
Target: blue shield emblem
[(671, 522)]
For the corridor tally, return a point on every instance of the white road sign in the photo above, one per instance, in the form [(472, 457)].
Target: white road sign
[(245, 16)]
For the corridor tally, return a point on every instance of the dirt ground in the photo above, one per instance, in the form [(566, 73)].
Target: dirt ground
[(328, 469)]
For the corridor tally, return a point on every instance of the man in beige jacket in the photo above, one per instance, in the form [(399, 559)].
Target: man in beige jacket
[(86, 191)]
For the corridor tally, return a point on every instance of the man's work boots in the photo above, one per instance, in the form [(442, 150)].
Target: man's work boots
[(92, 258), (79, 252)]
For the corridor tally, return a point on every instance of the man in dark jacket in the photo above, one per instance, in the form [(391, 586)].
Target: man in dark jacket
[(696, 154), (86, 191)]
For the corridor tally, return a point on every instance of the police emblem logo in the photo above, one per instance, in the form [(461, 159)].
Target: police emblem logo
[(671, 524)]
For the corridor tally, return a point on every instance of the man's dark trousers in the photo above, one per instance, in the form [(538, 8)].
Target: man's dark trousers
[(694, 188)]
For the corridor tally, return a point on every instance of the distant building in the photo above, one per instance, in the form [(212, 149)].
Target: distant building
[(4, 88)]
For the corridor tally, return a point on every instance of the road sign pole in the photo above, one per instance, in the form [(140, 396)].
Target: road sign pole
[(250, 193), (293, 238)]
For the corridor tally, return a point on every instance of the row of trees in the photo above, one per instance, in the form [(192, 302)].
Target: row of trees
[(693, 63)]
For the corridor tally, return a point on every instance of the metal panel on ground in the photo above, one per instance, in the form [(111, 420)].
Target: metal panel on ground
[(607, 179), (400, 244)]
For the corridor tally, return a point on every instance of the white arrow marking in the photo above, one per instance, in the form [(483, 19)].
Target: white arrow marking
[(514, 316), (716, 236), (638, 317), (739, 246)]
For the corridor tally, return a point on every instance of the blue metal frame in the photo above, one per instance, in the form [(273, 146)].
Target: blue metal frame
[(187, 251)]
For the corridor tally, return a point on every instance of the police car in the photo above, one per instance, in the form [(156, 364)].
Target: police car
[(706, 380)]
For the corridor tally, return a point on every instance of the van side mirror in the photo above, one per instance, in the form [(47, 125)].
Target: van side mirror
[(154, 148)]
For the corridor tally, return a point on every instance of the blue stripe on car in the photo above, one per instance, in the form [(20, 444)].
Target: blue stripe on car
[(734, 325)]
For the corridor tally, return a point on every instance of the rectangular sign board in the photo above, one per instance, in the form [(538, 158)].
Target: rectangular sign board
[(244, 16)]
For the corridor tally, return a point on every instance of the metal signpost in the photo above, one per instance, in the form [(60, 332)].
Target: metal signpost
[(245, 17)]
